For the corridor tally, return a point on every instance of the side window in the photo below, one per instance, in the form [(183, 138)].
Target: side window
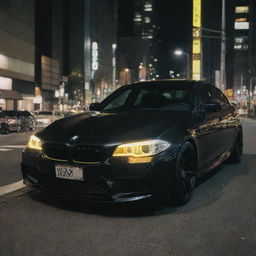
[(219, 97), (205, 95), (119, 101), (140, 96)]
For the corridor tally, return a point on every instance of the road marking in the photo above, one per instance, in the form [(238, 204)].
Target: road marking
[(11, 187), (5, 149), (12, 146)]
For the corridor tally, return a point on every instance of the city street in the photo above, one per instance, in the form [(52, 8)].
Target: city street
[(219, 220)]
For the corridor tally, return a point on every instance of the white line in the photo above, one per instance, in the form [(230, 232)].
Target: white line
[(11, 187), (5, 149), (12, 146)]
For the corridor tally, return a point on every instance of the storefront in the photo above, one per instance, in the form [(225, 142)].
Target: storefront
[(9, 99)]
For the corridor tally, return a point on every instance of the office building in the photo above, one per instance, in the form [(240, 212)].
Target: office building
[(17, 54)]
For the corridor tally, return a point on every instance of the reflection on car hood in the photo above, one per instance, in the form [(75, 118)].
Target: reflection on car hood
[(113, 128)]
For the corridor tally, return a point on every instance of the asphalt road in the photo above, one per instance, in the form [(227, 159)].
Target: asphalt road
[(219, 220), (10, 156)]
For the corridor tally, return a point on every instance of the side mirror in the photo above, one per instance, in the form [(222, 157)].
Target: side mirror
[(94, 106), (211, 107)]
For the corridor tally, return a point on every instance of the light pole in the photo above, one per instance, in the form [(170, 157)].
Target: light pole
[(179, 52), (223, 48)]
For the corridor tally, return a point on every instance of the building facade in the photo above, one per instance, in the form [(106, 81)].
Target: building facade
[(91, 50), (49, 40), (17, 54), (138, 45)]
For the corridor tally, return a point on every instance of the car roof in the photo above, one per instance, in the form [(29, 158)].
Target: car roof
[(167, 82)]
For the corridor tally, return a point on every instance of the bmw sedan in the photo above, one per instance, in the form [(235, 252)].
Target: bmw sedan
[(147, 141)]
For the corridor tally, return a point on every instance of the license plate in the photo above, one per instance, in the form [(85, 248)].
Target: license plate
[(69, 172)]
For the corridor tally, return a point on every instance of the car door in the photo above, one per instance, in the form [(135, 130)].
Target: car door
[(207, 128), (228, 121)]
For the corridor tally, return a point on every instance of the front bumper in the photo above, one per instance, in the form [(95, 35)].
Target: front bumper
[(114, 180)]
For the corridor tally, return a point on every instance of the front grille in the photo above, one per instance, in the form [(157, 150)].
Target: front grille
[(56, 151), (78, 153)]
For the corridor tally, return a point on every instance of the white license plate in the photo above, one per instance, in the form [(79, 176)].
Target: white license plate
[(69, 172)]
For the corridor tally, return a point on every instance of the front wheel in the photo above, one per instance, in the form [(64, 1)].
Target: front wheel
[(4, 129), (237, 151), (184, 177)]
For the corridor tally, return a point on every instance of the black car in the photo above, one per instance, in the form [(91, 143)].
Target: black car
[(146, 141)]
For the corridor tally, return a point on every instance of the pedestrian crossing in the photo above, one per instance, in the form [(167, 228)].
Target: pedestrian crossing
[(6, 148)]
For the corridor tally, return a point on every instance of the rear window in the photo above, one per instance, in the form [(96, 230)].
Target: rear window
[(45, 113), (10, 113), (24, 113)]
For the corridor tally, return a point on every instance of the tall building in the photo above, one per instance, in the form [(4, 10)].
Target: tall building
[(49, 38), (91, 50), (138, 45), (75, 52), (146, 27), (210, 34), (17, 54), (244, 43)]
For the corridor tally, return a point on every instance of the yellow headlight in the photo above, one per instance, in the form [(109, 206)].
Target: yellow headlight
[(34, 143), (141, 148)]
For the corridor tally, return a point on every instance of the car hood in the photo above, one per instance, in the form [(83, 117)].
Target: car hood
[(112, 128)]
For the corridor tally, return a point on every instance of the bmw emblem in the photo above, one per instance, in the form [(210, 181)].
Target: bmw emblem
[(74, 138)]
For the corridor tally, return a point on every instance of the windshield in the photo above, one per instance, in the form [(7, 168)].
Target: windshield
[(167, 97)]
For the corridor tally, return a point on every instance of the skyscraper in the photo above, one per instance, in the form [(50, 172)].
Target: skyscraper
[(138, 47), (17, 54)]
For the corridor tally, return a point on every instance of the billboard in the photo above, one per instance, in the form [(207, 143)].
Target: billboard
[(196, 49)]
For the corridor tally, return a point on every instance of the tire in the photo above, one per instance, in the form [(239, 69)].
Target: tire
[(18, 129), (4, 129), (183, 181), (237, 151)]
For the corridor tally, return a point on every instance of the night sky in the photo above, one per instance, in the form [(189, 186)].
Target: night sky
[(175, 17)]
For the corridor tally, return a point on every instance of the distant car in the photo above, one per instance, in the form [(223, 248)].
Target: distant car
[(44, 118), (27, 120), (9, 122), (148, 141)]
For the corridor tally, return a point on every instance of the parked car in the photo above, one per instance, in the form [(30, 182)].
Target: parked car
[(27, 120), (148, 141), (44, 118), (9, 122)]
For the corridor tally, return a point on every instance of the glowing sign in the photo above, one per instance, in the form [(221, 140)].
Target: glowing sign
[(196, 66), (241, 25), (95, 63), (242, 9), (196, 45), (197, 13), (196, 49)]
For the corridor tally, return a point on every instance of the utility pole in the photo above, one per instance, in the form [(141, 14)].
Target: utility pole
[(223, 48)]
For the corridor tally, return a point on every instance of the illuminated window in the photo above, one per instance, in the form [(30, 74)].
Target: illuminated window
[(241, 39), (242, 9), (147, 20), (137, 17), (148, 7), (241, 25), (147, 37), (241, 19), (241, 47), (238, 47)]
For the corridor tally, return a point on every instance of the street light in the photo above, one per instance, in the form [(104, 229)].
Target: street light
[(179, 52)]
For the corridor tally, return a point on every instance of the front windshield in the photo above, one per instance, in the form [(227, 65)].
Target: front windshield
[(169, 97)]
